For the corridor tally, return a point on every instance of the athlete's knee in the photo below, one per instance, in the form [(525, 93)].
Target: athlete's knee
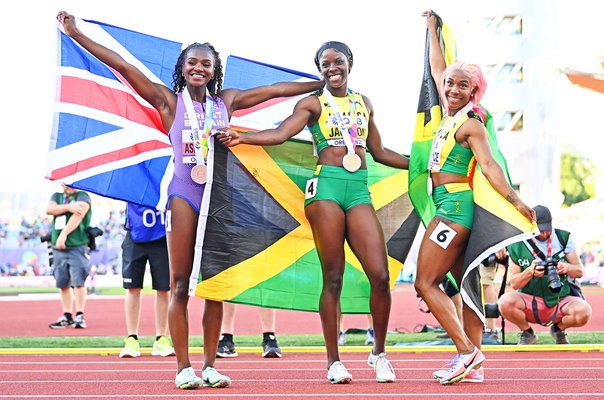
[(333, 284), (380, 283), (422, 286), (179, 288)]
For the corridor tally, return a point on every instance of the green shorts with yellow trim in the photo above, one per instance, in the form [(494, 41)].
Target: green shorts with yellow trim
[(455, 202), (347, 189)]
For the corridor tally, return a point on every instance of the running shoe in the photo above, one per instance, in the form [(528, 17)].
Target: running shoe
[(226, 347), (462, 365), (338, 373), (61, 323), (558, 334), (215, 379), (384, 372), (474, 376), (79, 321), (186, 379), (342, 339), (162, 347), (270, 347), (131, 348), (370, 337), (527, 337)]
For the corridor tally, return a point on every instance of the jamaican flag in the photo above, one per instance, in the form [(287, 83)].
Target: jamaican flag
[(254, 244), (497, 223)]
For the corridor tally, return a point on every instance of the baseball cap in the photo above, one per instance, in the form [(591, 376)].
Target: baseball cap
[(544, 218)]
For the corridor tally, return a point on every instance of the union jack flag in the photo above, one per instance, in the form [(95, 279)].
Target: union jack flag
[(107, 140)]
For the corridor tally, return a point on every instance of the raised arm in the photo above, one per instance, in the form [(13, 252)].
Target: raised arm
[(236, 99), (475, 135), (158, 95), (307, 109), (437, 59), (380, 153)]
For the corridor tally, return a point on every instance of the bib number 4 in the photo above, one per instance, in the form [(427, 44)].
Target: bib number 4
[(311, 188)]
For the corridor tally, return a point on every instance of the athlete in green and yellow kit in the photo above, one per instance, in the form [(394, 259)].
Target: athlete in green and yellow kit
[(338, 205)]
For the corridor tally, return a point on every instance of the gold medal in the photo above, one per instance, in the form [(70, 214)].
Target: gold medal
[(199, 174), (351, 162)]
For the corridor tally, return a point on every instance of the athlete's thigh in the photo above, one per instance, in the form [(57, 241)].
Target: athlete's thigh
[(327, 221), (366, 239), (181, 237), (443, 243)]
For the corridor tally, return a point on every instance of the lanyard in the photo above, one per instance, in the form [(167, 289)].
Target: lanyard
[(200, 144), (350, 139), (439, 140), (549, 249)]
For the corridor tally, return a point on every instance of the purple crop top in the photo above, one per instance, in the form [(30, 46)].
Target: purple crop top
[(180, 136)]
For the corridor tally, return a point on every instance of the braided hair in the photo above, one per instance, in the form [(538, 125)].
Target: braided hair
[(214, 85)]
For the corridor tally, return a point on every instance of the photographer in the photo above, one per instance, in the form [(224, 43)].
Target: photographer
[(71, 211), (543, 270)]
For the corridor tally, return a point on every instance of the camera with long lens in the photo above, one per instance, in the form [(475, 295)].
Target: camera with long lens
[(553, 278), (46, 239), (93, 232)]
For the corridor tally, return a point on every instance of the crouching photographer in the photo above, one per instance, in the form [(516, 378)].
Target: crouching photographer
[(544, 270)]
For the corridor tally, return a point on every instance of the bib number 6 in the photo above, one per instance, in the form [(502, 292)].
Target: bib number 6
[(443, 235)]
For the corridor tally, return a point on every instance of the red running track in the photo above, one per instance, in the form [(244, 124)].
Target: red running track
[(105, 316), (543, 375)]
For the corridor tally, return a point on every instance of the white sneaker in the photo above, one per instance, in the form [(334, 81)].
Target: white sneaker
[(384, 372), (462, 365), (338, 373), (186, 379), (214, 379)]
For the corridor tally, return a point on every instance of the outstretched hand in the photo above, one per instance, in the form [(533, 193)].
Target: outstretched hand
[(69, 23), (228, 137), (431, 19)]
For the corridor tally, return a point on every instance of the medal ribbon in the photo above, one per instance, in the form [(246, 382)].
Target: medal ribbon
[(438, 142), (200, 143), (350, 139)]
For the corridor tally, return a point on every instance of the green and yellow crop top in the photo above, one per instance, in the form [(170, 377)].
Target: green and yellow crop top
[(326, 131), (447, 155)]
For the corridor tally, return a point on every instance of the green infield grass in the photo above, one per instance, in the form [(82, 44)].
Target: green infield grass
[(255, 340)]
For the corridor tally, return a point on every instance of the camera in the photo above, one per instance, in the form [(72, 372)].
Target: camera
[(93, 232), (46, 239), (553, 279), (489, 260)]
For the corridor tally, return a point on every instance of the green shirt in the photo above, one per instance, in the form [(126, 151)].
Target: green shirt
[(522, 255), (78, 237)]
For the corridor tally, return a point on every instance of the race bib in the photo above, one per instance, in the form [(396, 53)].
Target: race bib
[(311, 188), (443, 235), (60, 222)]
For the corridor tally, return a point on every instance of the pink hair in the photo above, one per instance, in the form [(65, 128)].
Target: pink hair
[(477, 80)]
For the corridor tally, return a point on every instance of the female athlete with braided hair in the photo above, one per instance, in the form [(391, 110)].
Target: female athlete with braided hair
[(197, 87)]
